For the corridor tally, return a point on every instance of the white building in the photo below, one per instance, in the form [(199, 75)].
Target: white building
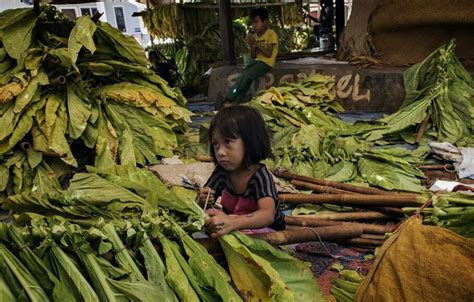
[(116, 12)]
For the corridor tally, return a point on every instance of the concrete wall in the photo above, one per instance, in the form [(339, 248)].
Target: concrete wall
[(357, 90), (9, 4)]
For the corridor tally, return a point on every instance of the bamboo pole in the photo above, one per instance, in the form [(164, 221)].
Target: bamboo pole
[(388, 210), (338, 185), (363, 242), (421, 130), (372, 236), (317, 188), (399, 201), (310, 222), (315, 222), (307, 234), (350, 216), (445, 167)]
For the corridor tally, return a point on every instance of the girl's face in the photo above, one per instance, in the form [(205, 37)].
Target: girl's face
[(229, 151)]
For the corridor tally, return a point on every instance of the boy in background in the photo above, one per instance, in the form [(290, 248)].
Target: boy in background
[(263, 49)]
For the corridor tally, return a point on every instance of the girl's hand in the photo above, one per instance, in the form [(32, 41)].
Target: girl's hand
[(219, 223), (203, 193)]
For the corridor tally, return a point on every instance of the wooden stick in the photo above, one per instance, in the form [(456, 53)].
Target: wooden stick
[(363, 242), (338, 185), (60, 80), (372, 236), (421, 130), (308, 234), (398, 201), (315, 222), (317, 188), (350, 216), (388, 210), (436, 167), (310, 222), (25, 146)]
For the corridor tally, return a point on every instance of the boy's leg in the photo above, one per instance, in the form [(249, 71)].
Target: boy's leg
[(239, 90)]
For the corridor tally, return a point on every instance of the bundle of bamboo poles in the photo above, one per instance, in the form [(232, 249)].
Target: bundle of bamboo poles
[(371, 204), (343, 194)]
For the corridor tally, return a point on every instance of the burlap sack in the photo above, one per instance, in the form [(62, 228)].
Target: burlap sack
[(421, 263), (406, 31)]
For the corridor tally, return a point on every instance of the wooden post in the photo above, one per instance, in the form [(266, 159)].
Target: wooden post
[(227, 36), (340, 19), (36, 5)]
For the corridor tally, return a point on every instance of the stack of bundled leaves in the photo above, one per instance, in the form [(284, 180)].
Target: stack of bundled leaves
[(194, 58), (453, 211), (74, 93), (182, 21), (306, 101), (121, 235), (317, 152), (123, 191), (60, 260), (439, 90), (146, 259)]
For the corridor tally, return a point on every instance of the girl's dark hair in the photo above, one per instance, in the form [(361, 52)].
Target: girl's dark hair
[(259, 12), (245, 123)]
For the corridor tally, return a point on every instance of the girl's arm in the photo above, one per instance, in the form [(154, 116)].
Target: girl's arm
[(220, 224)]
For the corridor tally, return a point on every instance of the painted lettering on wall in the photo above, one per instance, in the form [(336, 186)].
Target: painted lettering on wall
[(347, 86)]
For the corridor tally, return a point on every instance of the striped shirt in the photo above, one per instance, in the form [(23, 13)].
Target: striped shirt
[(260, 185)]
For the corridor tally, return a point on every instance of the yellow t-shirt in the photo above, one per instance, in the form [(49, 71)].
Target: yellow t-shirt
[(269, 37)]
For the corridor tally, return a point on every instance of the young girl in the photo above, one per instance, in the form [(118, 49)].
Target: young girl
[(239, 142)]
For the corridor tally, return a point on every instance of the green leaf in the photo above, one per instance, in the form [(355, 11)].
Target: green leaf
[(4, 177), (18, 35), (79, 110), (208, 273), (414, 113), (387, 176), (22, 128), (48, 281), (343, 171), (44, 181), (63, 55), (27, 281), (202, 292), (127, 46), (95, 190), (34, 157), (57, 141), (106, 144), (175, 275), (31, 93), (6, 294), (262, 269), (81, 36), (69, 274), (11, 16), (155, 268)]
